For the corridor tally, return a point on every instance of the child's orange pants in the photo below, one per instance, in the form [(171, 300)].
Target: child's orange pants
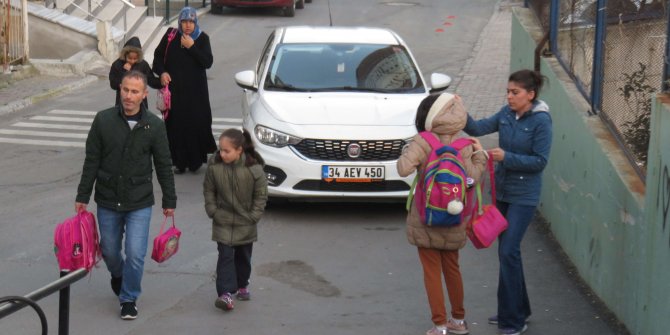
[(435, 263)]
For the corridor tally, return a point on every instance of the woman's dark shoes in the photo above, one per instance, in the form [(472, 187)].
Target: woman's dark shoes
[(177, 170), (195, 169)]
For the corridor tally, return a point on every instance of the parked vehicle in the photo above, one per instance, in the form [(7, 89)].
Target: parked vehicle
[(288, 6), (331, 108)]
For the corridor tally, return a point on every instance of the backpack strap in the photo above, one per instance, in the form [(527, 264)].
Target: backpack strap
[(435, 143), (461, 143), (431, 139)]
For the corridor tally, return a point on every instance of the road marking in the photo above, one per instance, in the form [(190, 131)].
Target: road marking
[(71, 112), (43, 142), (227, 119), (43, 130), (50, 126), (42, 133), (60, 118)]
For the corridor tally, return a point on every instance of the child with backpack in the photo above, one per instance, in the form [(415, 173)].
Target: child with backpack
[(443, 117), (235, 190)]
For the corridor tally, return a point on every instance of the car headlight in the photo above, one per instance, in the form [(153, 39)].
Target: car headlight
[(275, 138)]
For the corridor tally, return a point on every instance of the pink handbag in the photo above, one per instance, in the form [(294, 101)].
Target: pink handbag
[(163, 101), (487, 222), (164, 97), (166, 243)]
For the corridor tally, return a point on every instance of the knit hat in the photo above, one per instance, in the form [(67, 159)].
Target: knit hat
[(447, 115)]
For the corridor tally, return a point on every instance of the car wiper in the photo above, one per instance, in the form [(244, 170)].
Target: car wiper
[(354, 89), (286, 87), (279, 84)]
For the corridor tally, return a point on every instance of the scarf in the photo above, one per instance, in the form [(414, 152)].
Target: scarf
[(189, 13)]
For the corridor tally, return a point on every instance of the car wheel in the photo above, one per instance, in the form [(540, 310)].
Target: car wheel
[(290, 11), (216, 9), (300, 4)]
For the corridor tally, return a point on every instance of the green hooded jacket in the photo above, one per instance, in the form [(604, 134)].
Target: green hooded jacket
[(119, 162), (235, 197)]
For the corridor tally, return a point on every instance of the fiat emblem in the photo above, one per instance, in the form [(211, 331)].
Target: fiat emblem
[(354, 150)]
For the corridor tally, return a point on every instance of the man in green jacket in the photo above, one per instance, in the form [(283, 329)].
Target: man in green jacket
[(120, 147)]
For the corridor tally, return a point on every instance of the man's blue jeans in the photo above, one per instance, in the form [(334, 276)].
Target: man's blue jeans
[(513, 303), (135, 224)]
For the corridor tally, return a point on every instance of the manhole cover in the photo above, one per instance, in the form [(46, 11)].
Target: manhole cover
[(400, 3)]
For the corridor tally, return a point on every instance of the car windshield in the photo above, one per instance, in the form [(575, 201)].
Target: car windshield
[(343, 67)]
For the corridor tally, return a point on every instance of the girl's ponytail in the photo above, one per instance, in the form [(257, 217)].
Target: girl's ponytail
[(253, 157)]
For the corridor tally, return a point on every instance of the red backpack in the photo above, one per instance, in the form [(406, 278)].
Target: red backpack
[(440, 190), (76, 242)]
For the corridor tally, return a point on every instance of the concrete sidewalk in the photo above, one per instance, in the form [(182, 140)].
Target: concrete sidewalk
[(26, 87)]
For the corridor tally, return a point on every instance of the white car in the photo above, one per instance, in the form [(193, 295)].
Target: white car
[(330, 110)]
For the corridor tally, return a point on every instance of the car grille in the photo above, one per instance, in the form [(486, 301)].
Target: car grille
[(336, 150)]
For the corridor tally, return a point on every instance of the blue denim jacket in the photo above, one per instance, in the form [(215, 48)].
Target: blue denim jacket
[(527, 142)]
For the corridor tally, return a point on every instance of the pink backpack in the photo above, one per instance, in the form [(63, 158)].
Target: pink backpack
[(76, 242), (440, 190)]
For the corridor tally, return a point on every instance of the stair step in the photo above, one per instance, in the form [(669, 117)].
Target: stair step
[(111, 10), (98, 5), (82, 10), (148, 29), (134, 18)]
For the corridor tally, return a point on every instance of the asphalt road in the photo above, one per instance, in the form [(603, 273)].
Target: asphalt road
[(317, 268)]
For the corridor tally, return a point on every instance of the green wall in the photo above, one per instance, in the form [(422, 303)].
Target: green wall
[(596, 203)]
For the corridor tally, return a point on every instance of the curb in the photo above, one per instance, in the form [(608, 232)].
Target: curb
[(52, 93)]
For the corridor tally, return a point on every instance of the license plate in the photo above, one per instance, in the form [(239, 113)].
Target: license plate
[(352, 174)]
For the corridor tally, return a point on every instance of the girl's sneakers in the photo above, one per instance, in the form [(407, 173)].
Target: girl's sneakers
[(243, 294), (437, 330), (225, 302), (459, 327)]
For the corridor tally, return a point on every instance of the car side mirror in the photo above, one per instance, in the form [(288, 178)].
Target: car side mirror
[(246, 80), (439, 82)]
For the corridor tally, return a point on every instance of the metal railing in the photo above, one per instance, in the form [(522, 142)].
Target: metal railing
[(172, 7), (62, 285), (617, 54)]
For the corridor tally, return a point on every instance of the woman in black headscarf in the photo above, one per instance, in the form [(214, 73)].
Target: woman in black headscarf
[(180, 59)]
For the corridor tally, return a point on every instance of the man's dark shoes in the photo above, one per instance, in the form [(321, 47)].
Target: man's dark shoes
[(116, 285), (128, 310)]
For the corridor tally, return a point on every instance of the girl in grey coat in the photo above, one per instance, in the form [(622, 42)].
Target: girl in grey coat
[(235, 192)]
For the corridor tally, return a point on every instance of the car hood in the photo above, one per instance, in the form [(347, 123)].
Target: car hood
[(359, 109)]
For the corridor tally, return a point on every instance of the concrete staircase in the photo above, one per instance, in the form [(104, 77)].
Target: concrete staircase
[(135, 22)]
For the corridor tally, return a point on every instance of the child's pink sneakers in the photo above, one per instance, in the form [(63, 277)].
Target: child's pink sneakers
[(243, 294), (225, 302)]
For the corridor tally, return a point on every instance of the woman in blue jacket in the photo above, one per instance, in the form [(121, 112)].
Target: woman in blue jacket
[(524, 138)]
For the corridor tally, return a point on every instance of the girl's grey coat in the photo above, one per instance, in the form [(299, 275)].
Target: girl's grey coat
[(235, 197)]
